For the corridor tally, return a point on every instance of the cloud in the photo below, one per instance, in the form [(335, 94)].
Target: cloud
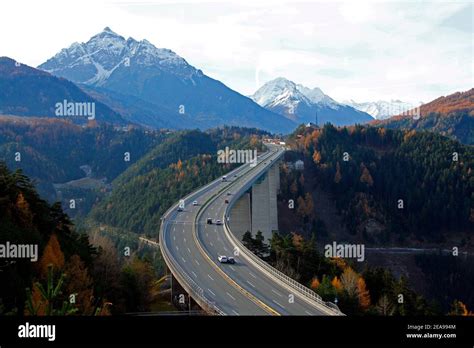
[(352, 50)]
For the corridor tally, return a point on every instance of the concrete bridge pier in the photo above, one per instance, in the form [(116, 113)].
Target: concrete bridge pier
[(257, 209)]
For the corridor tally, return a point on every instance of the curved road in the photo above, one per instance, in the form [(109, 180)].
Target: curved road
[(191, 246)]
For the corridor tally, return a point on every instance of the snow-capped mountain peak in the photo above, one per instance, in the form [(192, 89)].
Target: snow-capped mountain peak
[(156, 87), (383, 109), (103, 53), (284, 92), (303, 104), (278, 91)]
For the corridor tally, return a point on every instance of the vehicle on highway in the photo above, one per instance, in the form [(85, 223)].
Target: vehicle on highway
[(225, 259), (195, 203), (209, 221), (224, 178), (228, 193), (226, 201), (218, 222), (180, 209)]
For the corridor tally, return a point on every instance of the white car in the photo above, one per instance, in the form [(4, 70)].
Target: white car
[(218, 222), (195, 203), (225, 259)]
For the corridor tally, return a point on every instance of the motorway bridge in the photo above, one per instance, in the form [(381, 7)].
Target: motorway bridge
[(190, 247)]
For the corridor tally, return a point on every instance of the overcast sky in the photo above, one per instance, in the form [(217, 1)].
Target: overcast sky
[(366, 51)]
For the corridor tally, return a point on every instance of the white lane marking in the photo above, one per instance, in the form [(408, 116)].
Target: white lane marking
[(210, 277), (232, 268), (211, 243), (253, 275), (232, 297), (174, 229), (309, 313), (194, 274), (278, 304), (251, 284), (183, 259), (207, 234), (276, 292), (189, 250), (236, 313), (225, 247), (174, 237), (177, 248), (196, 262), (185, 239), (211, 292)]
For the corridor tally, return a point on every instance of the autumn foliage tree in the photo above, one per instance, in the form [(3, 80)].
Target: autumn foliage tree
[(460, 309), (79, 284), (314, 283), (336, 283), (316, 157), (52, 255), (349, 281), (363, 294), (365, 177)]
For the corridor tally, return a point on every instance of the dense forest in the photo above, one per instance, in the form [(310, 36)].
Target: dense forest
[(70, 276), (458, 125), (167, 173), (416, 186), (452, 116), (163, 167), (52, 151), (372, 291), (388, 187)]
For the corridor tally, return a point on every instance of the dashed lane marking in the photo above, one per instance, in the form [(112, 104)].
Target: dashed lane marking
[(278, 304)]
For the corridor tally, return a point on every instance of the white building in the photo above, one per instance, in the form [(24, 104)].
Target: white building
[(299, 165)]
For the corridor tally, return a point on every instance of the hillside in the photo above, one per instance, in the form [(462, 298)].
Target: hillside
[(53, 151), (65, 260), (400, 194), (27, 219), (167, 173), (452, 116), (369, 170), (31, 92)]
